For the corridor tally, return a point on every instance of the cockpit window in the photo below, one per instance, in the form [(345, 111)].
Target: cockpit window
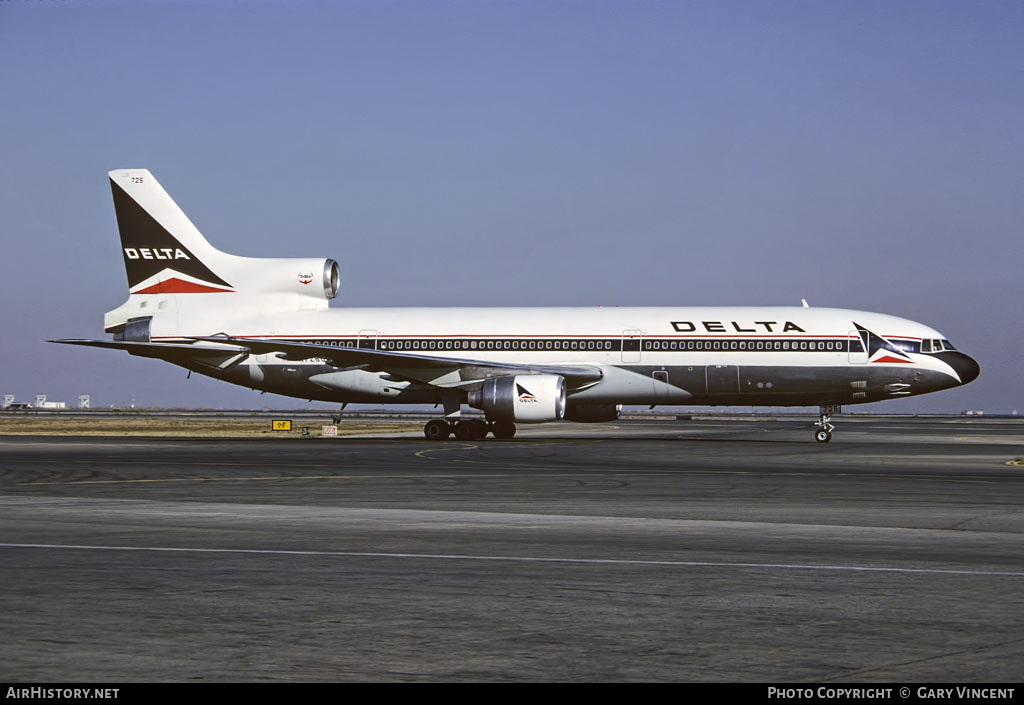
[(935, 345)]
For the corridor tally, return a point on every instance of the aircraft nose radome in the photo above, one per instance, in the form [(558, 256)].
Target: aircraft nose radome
[(966, 367)]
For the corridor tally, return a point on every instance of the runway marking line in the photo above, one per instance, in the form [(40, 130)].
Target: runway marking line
[(422, 453), (206, 479), (505, 471), (416, 476), (411, 476), (525, 559)]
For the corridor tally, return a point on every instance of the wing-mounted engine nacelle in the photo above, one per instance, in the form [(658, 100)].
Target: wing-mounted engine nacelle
[(592, 413), (521, 399)]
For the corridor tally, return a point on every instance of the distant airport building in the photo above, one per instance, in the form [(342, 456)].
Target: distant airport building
[(83, 401), (41, 403)]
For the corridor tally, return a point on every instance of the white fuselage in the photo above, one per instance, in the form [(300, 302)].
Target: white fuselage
[(662, 355)]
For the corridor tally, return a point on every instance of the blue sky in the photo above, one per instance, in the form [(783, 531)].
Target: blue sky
[(866, 155)]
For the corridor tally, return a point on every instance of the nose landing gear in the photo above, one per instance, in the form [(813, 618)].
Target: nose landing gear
[(825, 427)]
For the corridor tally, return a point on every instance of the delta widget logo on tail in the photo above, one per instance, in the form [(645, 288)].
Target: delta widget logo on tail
[(154, 260)]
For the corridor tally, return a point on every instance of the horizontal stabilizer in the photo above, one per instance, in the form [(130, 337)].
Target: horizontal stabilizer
[(172, 352)]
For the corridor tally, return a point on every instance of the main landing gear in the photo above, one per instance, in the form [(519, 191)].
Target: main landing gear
[(825, 427), (468, 429)]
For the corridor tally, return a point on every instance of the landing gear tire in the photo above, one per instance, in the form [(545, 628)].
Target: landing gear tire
[(503, 429), (471, 430), (822, 436), (437, 430)]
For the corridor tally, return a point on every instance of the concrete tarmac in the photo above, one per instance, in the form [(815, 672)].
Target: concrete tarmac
[(655, 551)]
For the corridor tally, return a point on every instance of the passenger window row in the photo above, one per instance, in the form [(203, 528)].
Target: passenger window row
[(605, 345)]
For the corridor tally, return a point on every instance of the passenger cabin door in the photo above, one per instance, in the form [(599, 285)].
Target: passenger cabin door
[(632, 342), (858, 354), (367, 340)]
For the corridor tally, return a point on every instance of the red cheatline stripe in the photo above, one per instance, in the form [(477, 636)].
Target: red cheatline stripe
[(538, 336), (179, 286)]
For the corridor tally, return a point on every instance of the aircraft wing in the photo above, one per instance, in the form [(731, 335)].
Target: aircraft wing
[(426, 369)]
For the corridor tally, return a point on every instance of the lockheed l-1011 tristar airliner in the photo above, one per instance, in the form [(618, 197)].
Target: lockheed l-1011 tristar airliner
[(266, 324)]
